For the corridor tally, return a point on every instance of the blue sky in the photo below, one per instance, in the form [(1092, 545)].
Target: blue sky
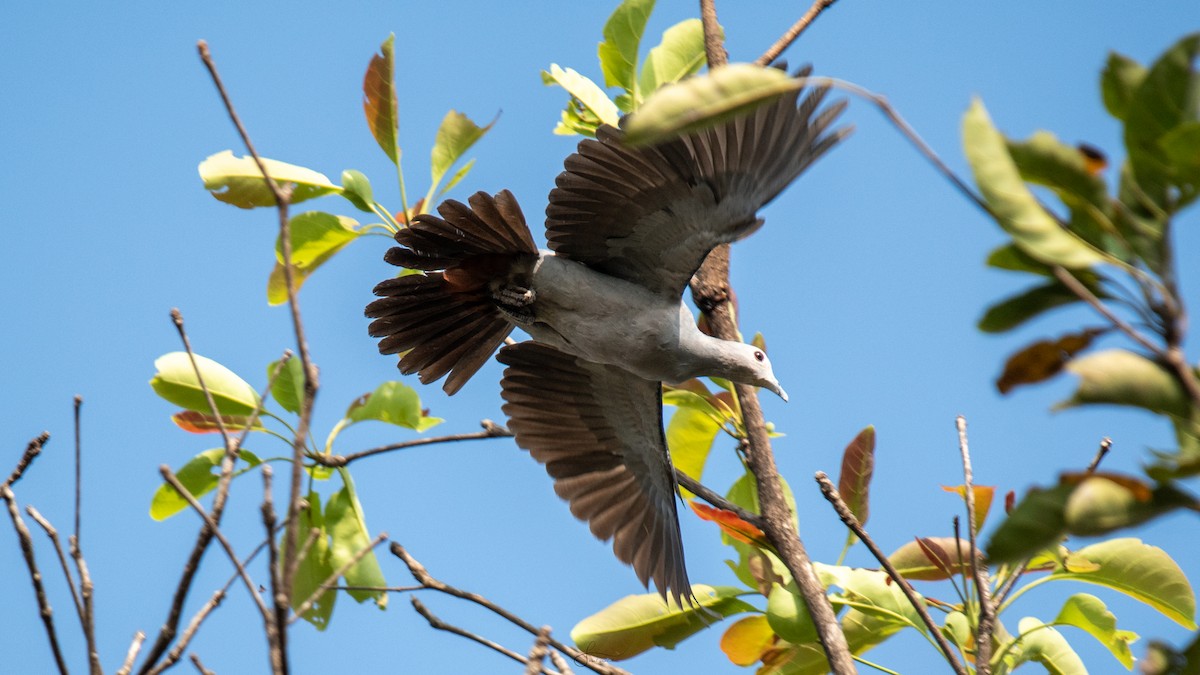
[(866, 280)]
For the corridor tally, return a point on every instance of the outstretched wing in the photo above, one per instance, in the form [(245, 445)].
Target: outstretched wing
[(650, 215), (598, 431)]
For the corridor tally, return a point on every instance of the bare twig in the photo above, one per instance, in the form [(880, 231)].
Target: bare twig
[(427, 580), (78, 466), (537, 654), (704, 492), (331, 580), (987, 612), (52, 533), (560, 662), (1085, 294), (438, 624), (131, 655), (794, 32), (200, 665), (490, 430), (279, 598), (31, 452), (714, 44), (1105, 446), (35, 574), (847, 517)]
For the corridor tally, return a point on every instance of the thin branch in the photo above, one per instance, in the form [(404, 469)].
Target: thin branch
[(131, 655), (427, 580), (31, 452), (200, 665), (35, 575), (279, 598), (987, 612), (490, 430), (847, 517), (560, 662), (794, 32), (78, 466), (52, 533), (707, 494), (438, 624), (1105, 446), (331, 580), (714, 44), (537, 654), (1085, 294)]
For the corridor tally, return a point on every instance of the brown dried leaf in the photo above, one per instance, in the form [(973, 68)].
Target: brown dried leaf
[(1043, 359)]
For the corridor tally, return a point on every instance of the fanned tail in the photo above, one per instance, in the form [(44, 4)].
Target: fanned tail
[(446, 321)]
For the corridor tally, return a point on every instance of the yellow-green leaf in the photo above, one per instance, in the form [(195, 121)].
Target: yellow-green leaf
[(237, 180), (175, 380)]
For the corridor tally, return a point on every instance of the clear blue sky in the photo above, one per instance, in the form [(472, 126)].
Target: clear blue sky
[(867, 281)]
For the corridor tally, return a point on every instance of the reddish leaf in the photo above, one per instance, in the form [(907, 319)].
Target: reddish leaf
[(747, 640), (379, 100), (937, 555), (732, 525), (1010, 498), (202, 423), (983, 500), (858, 463), (1043, 359), (931, 558)]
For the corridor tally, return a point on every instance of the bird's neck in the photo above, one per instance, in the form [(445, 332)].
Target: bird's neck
[(711, 356)]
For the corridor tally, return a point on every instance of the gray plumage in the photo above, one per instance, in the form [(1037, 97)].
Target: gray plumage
[(627, 228)]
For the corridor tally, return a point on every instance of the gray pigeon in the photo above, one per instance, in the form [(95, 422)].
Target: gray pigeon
[(627, 228)]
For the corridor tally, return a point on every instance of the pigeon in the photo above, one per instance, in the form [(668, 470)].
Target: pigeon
[(627, 227)]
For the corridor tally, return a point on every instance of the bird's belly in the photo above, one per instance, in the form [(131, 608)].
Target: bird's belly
[(605, 320)]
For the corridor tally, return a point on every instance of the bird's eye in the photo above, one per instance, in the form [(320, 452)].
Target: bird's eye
[(759, 356)]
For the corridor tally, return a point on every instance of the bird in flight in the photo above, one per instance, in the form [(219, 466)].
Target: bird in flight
[(627, 227)]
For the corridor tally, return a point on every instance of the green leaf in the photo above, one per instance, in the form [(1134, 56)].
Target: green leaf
[(637, 623), (348, 531), (314, 568), (680, 54), (289, 384), (858, 465), (1121, 377), (1182, 147), (1036, 523), (622, 36), (1119, 81), (958, 629), (1090, 614), (1017, 309), (1103, 503), (237, 180), (199, 479), (1164, 100), (872, 593), (1010, 201), (690, 436), (744, 493), (1143, 572), (588, 94), (357, 190), (379, 100), (1040, 643), (394, 403), (175, 380), (316, 236), (706, 100), (455, 136), (788, 615), (458, 176), (1011, 257)]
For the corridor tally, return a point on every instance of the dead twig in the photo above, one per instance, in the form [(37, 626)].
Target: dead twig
[(1105, 446), (199, 665), (131, 655), (438, 624), (52, 533), (794, 32), (35, 574), (847, 517), (537, 654), (31, 452), (490, 430), (987, 611), (707, 494)]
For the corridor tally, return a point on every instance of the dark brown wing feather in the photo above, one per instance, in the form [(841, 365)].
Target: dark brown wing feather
[(598, 431), (650, 215)]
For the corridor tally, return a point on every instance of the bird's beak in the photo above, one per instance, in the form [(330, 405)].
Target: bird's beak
[(774, 386)]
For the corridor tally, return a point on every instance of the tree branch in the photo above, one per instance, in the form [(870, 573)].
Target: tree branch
[(35, 574), (438, 624), (987, 611), (490, 430), (704, 492), (31, 452), (794, 32), (847, 517)]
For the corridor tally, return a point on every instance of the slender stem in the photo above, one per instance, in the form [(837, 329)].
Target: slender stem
[(78, 466), (32, 450), (714, 44), (847, 517), (35, 575), (1105, 446), (987, 616), (199, 665), (1085, 294), (52, 533), (537, 654), (438, 624), (131, 655), (704, 492), (490, 430), (794, 32)]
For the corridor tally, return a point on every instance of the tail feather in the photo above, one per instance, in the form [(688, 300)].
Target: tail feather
[(446, 322)]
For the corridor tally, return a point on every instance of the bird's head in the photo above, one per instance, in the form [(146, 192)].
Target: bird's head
[(753, 367)]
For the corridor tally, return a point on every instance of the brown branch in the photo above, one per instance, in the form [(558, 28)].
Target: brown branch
[(35, 574), (200, 665), (490, 430), (78, 403), (331, 580), (279, 598), (427, 580), (847, 517), (438, 624), (52, 533), (1083, 293), (31, 452), (537, 654), (1105, 446), (131, 655), (711, 292), (707, 494), (560, 662), (987, 612), (794, 32)]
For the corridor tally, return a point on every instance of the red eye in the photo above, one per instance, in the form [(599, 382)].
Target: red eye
[(759, 356)]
